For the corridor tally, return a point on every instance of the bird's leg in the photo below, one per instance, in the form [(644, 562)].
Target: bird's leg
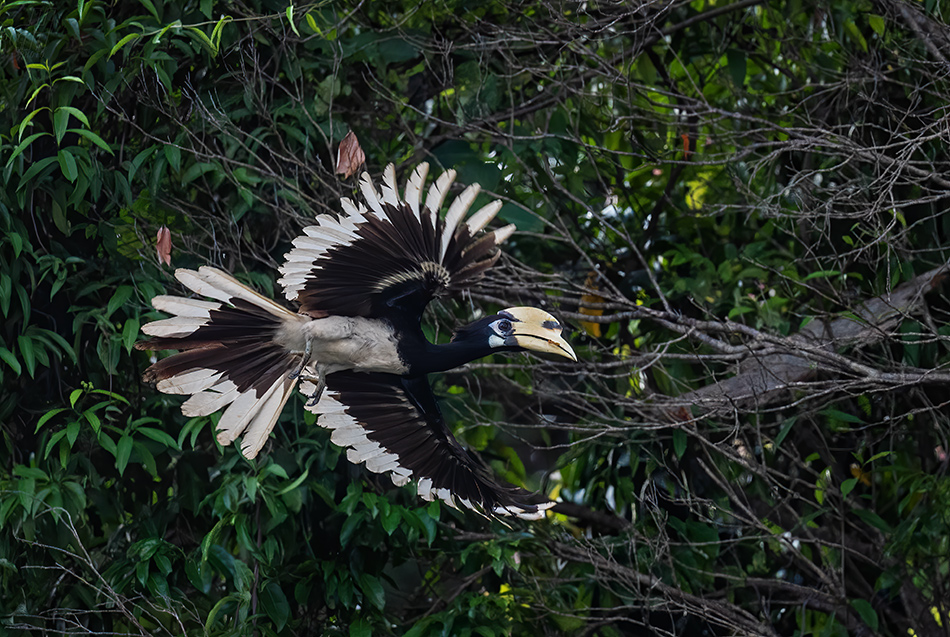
[(307, 350), (316, 377)]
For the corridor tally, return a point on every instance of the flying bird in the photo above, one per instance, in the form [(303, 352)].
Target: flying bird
[(355, 345)]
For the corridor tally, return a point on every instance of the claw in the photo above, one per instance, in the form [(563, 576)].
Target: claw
[(315, 396), (317, 379)]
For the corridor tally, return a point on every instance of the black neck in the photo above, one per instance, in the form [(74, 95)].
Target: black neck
[(424, 357), (439, 358)]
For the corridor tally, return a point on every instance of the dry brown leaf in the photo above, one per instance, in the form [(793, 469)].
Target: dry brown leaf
[(163, 245), (591, 283), (349, 156)]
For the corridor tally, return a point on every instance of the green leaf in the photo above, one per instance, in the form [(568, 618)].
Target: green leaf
[(123, 451), (855, 33), (22, 146), (6, 289), (158, 436), (36, 92), (119, 298), (17, 242), (93, 420), (111, 394), (27, 353), (222, 603), (74, 396), (35, 169), (372, 590), (276, 469), (873, 519), (275, 605), (842, 416), (151, 8), (196, 171), (821, 274), (129, 333), (45, 417), (60, 121), (290, 18), (95, 139), (350, 525), (67, 163), (23, 125), (10, 359), (390, 519), (848, 486), (121, 43), (312, 24), (783, 432), (296, 483), (173, 155), (33, 473), (877, 23), (72, 431), (679, 442), (107, 443), (218, 31), (204, 39), (866, 611), (361, 627)]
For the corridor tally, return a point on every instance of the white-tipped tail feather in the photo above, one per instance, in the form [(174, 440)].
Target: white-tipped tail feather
[(229, 357), (269, 408)]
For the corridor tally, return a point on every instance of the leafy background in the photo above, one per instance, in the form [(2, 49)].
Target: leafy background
[(729, 201)]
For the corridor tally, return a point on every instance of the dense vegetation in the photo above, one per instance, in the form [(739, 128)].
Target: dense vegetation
[(742, 207)]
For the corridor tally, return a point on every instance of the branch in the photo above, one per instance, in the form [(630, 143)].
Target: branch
[(762, 379)]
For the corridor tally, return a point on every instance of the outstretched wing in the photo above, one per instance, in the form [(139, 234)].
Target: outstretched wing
[(394, 425), (388, 254)]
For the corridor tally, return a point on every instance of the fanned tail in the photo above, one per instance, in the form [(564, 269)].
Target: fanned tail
[(227, 355)]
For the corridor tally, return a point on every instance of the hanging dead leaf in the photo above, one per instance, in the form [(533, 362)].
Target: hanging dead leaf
[(591, 284), (163, 245), (686, 148), (349, 156), (863, 476)]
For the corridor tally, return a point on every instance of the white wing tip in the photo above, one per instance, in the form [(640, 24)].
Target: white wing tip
[(484, 215), (519, 512), (503, 234)]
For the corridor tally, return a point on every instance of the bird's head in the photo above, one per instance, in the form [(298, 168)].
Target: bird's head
[(520, 328)]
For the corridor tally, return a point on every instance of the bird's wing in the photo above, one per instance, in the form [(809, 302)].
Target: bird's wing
[(394, 425), (391, 253)]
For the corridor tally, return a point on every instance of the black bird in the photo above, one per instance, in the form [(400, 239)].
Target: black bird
[(361, 282)]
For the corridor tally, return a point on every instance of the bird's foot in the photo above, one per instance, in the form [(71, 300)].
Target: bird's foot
[(318, 380), (315, 396)]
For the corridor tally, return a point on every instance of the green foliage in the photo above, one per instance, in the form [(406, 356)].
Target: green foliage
[(757, 168)]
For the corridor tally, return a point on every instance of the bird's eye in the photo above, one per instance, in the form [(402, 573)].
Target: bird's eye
[(504, 326)]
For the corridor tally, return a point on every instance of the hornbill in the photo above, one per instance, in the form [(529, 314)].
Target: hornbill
[(361, 282)]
